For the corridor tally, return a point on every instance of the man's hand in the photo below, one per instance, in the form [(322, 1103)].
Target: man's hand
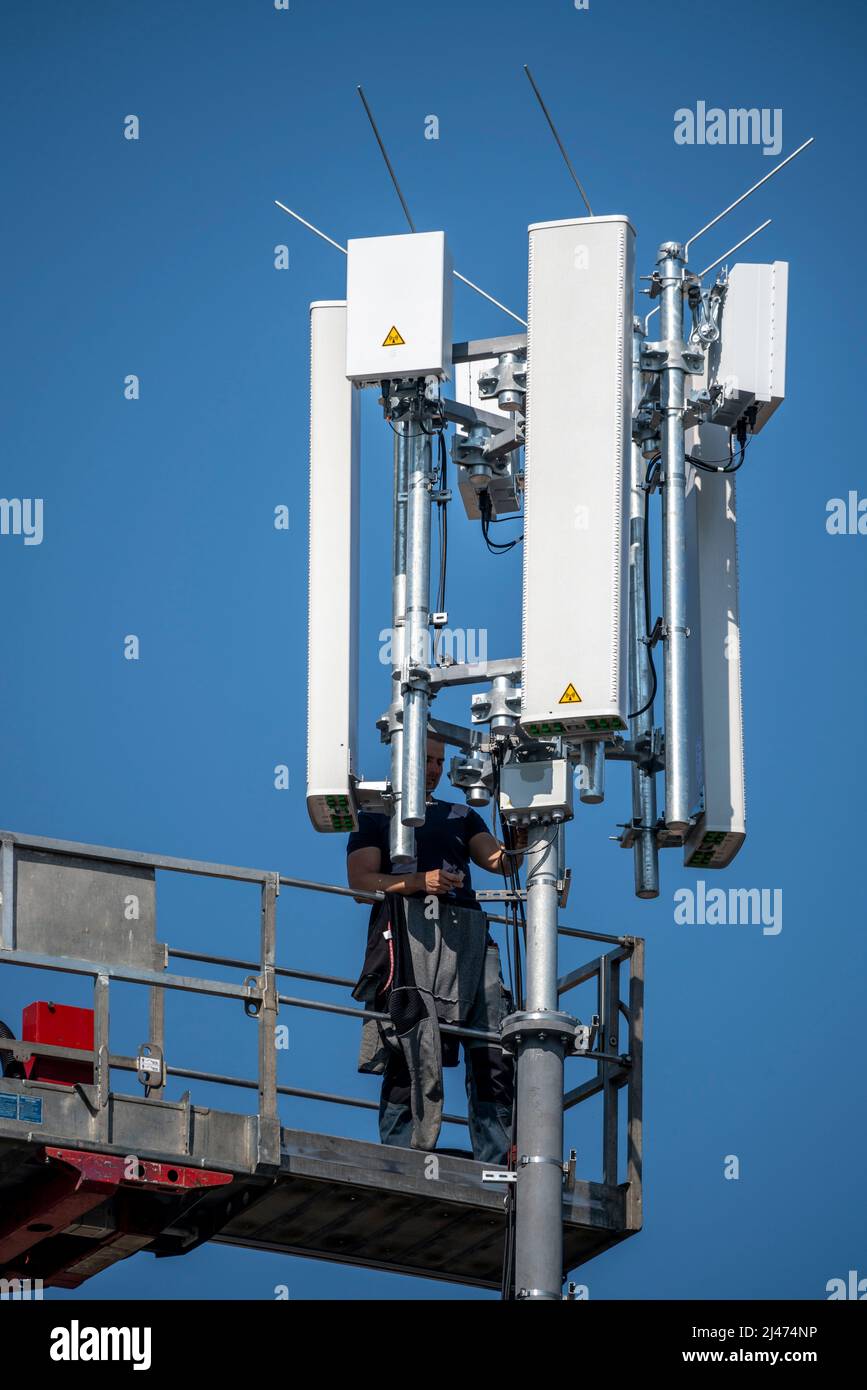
[(439, 881)]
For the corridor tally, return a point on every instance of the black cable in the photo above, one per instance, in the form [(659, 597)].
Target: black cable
[(652, 468), (444, 524), (510, 875), (495, 547), (507, 1284), (653, 689), (408, 434), (443, 529), (709, 465)]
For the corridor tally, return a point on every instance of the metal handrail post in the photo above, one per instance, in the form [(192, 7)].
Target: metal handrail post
[(635, 1090), (102, 1069), (268, 1147)]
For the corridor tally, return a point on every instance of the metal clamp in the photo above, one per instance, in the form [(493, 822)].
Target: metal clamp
[(541, 1022), (252, 1007), (413, 676), (526, 1159), (150, 1067), (502, 701), (499, 1175), (670, 355)]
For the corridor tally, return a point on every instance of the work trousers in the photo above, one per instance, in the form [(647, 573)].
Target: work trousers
[(490, 1085), (489, 1070)]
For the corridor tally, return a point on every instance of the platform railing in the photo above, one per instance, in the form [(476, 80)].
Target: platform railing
[(262, 1000)]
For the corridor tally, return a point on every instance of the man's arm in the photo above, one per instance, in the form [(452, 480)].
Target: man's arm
[(364, 875), (489, 854)]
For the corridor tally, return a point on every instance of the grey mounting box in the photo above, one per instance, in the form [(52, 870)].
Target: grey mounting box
[(503, 486), (536, 793)]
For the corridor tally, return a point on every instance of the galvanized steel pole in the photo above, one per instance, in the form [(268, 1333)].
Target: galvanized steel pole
[(539, 1194), (416, 686), (670, 265), (401, 837)]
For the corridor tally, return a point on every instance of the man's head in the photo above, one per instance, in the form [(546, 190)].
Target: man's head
[(436, 754)]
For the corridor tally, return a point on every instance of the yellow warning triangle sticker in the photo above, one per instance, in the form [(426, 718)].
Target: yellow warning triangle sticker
[(393, 338), (570, 696)]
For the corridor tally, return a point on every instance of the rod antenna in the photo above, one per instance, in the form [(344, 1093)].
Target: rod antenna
[(575, 177), (720, 215)]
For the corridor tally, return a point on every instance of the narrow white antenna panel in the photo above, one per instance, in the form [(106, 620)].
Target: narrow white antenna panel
[(749, 360), (332, 651), (715, 709), (579, 357), (399, 298)]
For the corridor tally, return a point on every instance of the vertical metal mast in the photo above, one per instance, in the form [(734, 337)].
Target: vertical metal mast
[(416, 683), (670, 266), (645, 849), (540, 1049), (402, 839)]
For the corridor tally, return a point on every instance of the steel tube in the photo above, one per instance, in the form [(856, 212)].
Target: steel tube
[(330, 888), (645, 849), (332, 1098), (346, 1011), (401, 837), (539, 1188), (416, 694), (670, 264), (592, 763), (268, 1143)]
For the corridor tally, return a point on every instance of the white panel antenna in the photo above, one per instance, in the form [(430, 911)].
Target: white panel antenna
[(715, 711), (332, 652), (577, 466), (399, 307)]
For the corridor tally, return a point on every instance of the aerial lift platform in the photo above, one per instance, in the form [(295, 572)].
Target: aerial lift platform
[(90, 1175)]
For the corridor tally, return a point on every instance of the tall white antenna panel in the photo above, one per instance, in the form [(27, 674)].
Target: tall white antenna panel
[(332, 652), (579, 409)]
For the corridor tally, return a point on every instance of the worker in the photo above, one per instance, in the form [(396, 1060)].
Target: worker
[(453, 970)]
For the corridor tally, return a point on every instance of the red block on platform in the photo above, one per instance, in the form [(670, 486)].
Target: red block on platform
[(59, 1025)]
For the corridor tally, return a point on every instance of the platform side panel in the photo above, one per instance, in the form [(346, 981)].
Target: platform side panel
[(332, 643), (721, 829), (577, 470), (87, 909)]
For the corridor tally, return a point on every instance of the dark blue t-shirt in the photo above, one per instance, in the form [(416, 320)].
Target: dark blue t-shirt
[(441, 843)]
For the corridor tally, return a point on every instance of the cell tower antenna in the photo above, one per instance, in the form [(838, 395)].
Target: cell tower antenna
[(720, 215), (701, 274), (388, 163), (463, 279), (305, 223), (560, 144), (737, 246)]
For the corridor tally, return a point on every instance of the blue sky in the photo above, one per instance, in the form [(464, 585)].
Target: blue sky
[(156, 257)]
